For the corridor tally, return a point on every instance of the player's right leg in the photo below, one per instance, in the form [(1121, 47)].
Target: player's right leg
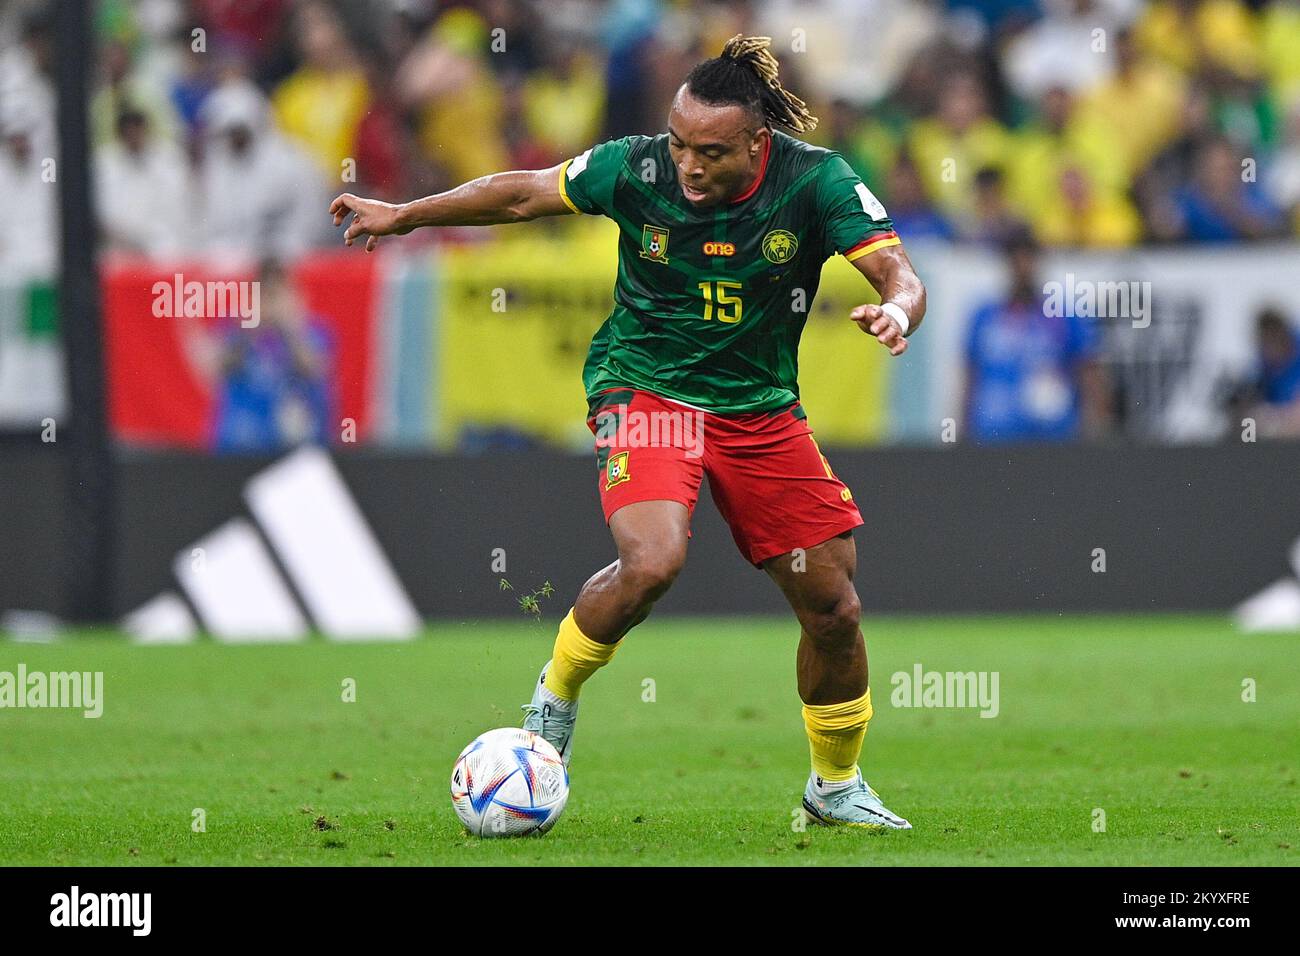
[(648, 490), (651, 541)]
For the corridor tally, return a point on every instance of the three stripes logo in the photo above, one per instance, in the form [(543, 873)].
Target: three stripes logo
[(303, 560)]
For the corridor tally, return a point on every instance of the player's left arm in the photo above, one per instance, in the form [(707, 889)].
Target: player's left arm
[(856, 225), (891, 274)]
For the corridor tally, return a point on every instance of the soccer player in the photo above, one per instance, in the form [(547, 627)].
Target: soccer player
[(724, 225)]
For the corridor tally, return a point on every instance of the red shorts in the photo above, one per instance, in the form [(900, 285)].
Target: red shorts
[(767, 476)]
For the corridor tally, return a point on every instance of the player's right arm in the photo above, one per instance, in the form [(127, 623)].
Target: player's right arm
[(584, 184), (515, 196)]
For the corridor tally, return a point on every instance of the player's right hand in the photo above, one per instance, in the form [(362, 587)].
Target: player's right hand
[(370, 218)]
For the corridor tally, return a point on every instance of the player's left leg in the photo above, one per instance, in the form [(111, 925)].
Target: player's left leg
[(833, 681), (791, 516)]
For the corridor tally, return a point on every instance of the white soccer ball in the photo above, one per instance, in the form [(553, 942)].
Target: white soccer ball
[(509, 782)]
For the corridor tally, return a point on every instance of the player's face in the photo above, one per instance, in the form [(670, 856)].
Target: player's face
[(715, 149)]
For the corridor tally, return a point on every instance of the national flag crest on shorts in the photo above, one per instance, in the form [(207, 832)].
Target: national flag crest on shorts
[(616, 470), (654, 243)]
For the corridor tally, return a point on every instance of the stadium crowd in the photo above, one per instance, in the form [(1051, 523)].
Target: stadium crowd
[(1093, 123), (222, 127)]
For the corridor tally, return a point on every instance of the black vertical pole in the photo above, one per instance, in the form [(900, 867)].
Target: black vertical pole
[(84, 438)]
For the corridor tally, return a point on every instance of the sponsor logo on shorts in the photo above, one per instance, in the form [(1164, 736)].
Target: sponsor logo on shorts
[(616, 470)]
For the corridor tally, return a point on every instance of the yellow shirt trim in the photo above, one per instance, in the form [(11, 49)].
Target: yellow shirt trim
[(564, 193), (872, 247)]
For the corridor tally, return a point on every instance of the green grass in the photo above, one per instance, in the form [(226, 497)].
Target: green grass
[(1141, 717)]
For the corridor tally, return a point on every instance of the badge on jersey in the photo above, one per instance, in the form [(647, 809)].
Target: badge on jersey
[(578, 164), (779, 246), (870, 204), (616, 470), (654, 243)]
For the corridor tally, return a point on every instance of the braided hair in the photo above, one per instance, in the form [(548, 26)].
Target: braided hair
[(746, 75)]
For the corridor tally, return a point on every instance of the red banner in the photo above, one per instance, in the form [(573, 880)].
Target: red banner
[(178, 338)]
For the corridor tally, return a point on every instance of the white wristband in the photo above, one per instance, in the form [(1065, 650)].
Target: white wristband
[(896, 313)]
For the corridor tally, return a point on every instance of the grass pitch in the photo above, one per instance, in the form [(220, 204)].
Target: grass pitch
[(1142, 718)]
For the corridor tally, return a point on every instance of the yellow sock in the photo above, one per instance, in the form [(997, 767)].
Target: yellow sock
[(835, 733), (575, 658)]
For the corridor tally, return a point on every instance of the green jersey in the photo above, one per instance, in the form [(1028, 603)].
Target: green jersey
[(710, 303)]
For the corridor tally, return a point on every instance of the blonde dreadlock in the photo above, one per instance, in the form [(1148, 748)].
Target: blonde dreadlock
[(746, 74)]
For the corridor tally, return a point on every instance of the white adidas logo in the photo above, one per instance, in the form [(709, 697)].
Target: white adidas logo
[(331, 560), (1277, 607)]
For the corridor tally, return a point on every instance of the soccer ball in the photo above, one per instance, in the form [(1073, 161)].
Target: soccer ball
[(509, 782)]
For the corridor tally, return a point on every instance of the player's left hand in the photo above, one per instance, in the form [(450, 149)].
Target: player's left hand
[(873, 320)]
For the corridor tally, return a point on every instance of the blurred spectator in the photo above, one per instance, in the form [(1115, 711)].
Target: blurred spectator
[(1217, 206), (1155, 186), (1243, 111), (921, 88), (1030, 375), (1140, 87), (271, 382), (251, 28), (1279, 358), (913, 215), (125, 89), (961, 138), (522, 35), (839, 33), (446, 80), (994, 221), (261, 195), (142, 191), (29, 247), (525, 152), (1280, 48), (998, 15), (866, 143), (194, 82), (382, 148), (1273, 398), (1042, 153), (1282, 173), (1066, 49), (564, 102), (627, 32), (1190, 34), (321, 103), (26, 87), (1059, 113), (1088, 216)]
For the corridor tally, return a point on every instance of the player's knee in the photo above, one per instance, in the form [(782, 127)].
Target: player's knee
[(836, 622), (649, 574)]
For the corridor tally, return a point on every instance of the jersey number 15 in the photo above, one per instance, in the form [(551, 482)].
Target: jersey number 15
[(728, 306)]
